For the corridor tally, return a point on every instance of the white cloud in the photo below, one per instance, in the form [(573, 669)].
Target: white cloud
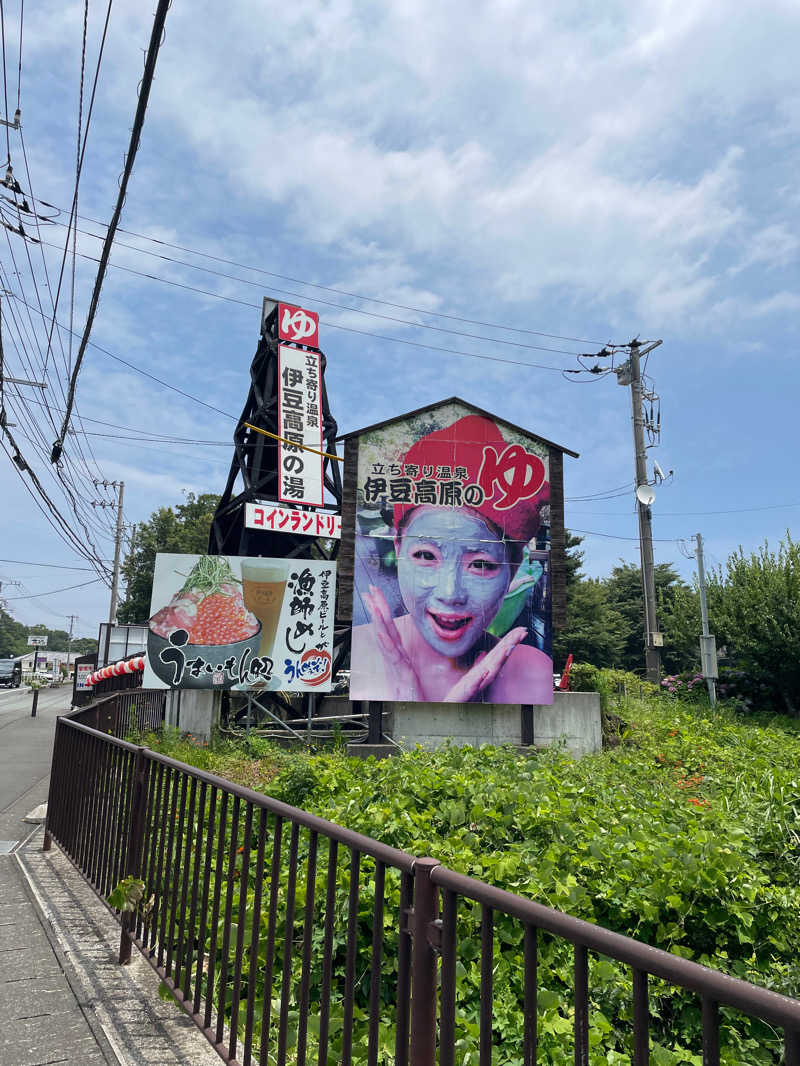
[(591, 171), (778, 302)]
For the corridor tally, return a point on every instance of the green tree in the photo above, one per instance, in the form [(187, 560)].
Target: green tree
[(84, 646), (57, 639), (754, 607), (680, 622), (595, 632), (624, 592), (183, 529), (13, 636)]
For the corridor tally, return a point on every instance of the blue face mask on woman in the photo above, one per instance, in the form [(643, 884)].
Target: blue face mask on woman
[(453, 573)]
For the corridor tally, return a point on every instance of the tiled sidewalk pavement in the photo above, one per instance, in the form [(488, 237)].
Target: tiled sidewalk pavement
[(42, 1019), (63, 996)]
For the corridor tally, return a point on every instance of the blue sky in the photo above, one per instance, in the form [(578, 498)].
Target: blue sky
[(593, 172)]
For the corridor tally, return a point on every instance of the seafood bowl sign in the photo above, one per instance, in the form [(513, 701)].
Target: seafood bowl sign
[(236, 622)]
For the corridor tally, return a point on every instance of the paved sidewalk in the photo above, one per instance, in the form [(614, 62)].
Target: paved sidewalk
[(63, 996), (43, 1019)]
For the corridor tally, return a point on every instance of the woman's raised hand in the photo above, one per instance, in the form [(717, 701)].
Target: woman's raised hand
[(400, 673), (485, 669)]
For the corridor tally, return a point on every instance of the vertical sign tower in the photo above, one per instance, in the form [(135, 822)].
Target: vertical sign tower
[(291, 463)]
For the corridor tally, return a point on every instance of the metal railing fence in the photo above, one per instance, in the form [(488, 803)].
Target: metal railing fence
[(289, 939), (134, 710)]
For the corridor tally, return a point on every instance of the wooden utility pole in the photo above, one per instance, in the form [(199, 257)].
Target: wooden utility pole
[(112, 610), (630, 374), (72, 620)]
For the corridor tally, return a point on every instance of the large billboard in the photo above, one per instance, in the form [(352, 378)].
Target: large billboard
[(451, 596), (241, 622)]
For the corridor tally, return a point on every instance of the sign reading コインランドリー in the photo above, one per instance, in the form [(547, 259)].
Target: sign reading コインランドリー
[(240, 622), (451, 594)]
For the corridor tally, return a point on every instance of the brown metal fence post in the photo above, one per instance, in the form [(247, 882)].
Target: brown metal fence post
[(791, 1048), (138, 810), (55, 769), (423, 964)]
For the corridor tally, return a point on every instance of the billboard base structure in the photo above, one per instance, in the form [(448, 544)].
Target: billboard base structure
[(573, 721), (258, 718)]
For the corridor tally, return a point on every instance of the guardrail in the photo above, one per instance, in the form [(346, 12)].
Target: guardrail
[(287, 938)]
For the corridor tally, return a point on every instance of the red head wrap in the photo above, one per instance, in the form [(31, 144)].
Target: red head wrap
[(509, 483)]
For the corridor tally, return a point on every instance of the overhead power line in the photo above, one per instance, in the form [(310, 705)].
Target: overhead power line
[(348, 329), (147, 374), (50, 566), (19, 65), (604, 494), (52, 514), (53, 592), (68, 481), (689, 514), (74, 208), (614, 536), (340, 307), (136, 131), (316, 285)]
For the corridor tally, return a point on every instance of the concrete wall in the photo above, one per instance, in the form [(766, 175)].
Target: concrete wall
[(574, 718), (194, 711)]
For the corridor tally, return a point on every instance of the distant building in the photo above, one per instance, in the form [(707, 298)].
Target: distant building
[(46, 660)]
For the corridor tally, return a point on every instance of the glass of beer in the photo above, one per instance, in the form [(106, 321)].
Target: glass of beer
[(263, 587)]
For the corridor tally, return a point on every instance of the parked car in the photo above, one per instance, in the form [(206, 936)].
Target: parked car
[(10, 673)]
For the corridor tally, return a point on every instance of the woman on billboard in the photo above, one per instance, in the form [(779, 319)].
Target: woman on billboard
[(455, 566)]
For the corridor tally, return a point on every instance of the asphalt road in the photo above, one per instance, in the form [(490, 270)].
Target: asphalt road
[(26, 745)]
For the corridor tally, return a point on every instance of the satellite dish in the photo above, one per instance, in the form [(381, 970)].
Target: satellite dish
[(645, 494)]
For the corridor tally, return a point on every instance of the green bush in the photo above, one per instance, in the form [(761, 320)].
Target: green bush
[(685, 837), (584, 677), (688, 685), (297, 781)]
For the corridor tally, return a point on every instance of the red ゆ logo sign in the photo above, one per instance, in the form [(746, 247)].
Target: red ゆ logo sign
[(298, 325)]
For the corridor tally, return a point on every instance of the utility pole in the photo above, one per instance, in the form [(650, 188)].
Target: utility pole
[(18, 584), (630, 374), (72, 620), (112, 610), (707, 642)]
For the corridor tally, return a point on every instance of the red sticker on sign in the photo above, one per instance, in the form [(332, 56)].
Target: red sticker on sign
[(315, 666)]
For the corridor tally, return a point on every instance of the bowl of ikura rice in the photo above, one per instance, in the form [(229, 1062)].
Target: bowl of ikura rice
[(210, 610)]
